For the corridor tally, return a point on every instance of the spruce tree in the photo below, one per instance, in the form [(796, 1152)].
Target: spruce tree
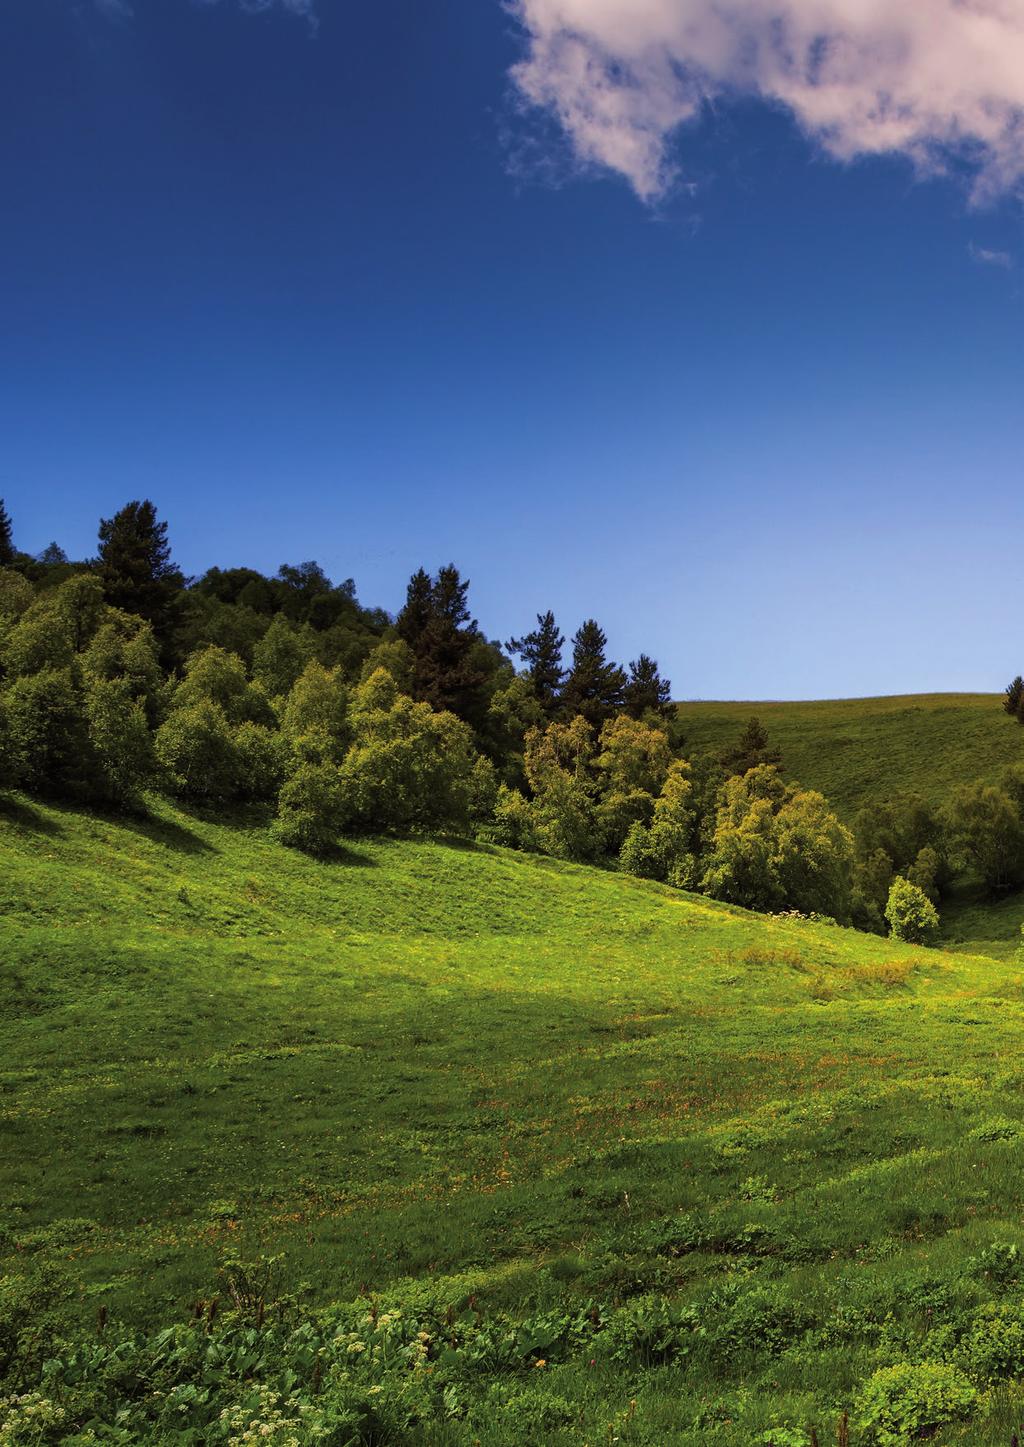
[(595, 687), (7, 552), (646, 690), (412, 621), (751, 750), (437, 625), (1014, 695), (136, 568), (541, 651)]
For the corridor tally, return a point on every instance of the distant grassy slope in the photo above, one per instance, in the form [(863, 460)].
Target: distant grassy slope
[(855, 749), (500, 1075)]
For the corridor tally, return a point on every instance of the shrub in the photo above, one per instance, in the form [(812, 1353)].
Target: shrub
[(987, 834), (121, 742), (213, 675), (639, 854), (778, 847), (197, 750), (263, 757), (911, 915), (905, 1401), (318, 704), (994, 1346), (311, 808), (512, 821), (48, 734), (409, 767)]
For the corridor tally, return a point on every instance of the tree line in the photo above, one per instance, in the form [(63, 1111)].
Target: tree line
[(119, 676)]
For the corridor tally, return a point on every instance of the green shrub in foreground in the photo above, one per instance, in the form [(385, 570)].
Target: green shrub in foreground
[(900, 1403), (912, 916)]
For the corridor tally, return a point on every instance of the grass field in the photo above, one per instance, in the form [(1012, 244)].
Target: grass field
[(523, 1102)]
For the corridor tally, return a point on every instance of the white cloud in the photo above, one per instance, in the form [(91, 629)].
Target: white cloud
[(935, 81), (985, 257)]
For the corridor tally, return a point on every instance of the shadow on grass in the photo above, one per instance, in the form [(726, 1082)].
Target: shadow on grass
[(342, 854), (24, 816), (160, 830)]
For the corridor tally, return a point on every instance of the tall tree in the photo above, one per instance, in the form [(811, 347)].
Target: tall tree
[(136, 568), (7, 552), (1013, 695), (541, 651), (445, 640), (646, 691), (752, 750), (595, 687)]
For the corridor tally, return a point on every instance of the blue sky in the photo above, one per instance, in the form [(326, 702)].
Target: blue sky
[(744, 390)]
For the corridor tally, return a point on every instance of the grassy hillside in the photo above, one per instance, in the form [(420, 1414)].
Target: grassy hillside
[(857, 749), (523, 1102)]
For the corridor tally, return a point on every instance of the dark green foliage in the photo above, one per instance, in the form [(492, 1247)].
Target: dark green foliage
[(7, 551), (646, 691), (986, 834), (197, 751), (595, 687), (751, 750), (121, 743), (48, 734), (311, 811), (1013, 696), (136, 569), (541, 652), (449, 669)]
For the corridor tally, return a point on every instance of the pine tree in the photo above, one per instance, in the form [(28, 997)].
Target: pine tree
[(541, 651), (751, 750), (412, 621), (437, 625), (1013, 697), (136, 568), (7, 552), (646, 690), (595, 687)]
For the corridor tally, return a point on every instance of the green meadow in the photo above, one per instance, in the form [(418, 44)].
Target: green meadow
[(448, 1144)]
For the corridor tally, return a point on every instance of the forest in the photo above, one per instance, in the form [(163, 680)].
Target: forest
[(120, 678)]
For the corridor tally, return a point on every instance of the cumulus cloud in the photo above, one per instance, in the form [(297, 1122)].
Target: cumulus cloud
[(940, 82)]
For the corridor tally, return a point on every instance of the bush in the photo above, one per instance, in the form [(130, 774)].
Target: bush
[(409, 767), (213, 675), (311, 809), (197, 750), (906, 1401), (48, 734), (639, 854), (318, 704), (121, 742), (512, 820), (994, 1346), (912, 916), (263, 757)]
